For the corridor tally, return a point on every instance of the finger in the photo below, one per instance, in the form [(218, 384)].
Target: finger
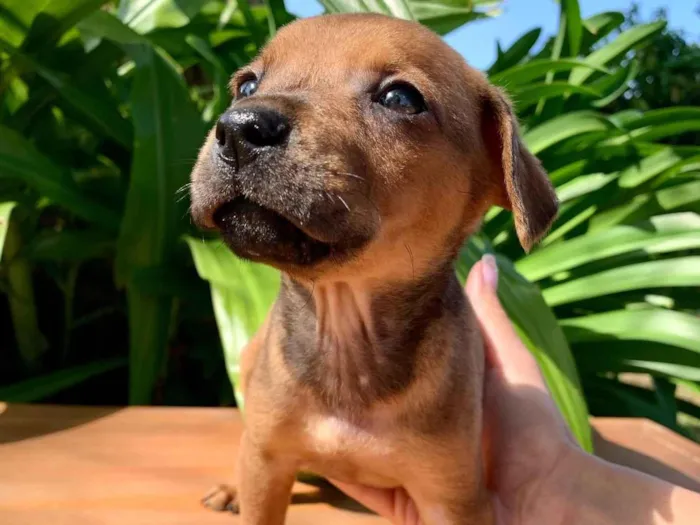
[(505, 350), (380, 501)]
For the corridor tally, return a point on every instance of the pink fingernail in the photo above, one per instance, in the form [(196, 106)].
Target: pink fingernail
[(489, 271)]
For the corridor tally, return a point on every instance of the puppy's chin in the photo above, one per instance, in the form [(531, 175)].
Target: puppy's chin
[(260, 234)]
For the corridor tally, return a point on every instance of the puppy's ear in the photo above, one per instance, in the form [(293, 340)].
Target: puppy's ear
[(522, 184)]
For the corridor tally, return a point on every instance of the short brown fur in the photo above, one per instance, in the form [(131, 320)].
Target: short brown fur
[(369, 367)]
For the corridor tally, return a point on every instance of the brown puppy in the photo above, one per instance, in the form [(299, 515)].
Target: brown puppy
[(359, 154)]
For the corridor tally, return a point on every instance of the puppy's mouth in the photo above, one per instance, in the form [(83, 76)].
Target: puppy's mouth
[(258, 233)]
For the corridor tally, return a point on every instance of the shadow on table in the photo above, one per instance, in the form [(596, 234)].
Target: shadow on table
[(622, 455), (19, 422)]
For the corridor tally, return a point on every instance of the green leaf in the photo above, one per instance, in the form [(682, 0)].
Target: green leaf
[(632, 356), (658, 117), (600, 25), (616, 85), (102, 113), (531, 94), (20, 160), (655, 325), (539, 330), (662, 234), (679, 271), (574, 26), (18, 16), (615, 49), (515, 53), (5, 211), (534, 69), (614, 399), (143, 16), (648, 168), (41, 387), (168, 132), (277, 15), (67, 245), (242, 295), (564, 127), (21, 298), (222, 97), (683, 196), (396, 8), (102, 24)]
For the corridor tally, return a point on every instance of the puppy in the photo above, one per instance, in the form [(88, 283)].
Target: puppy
[(359, 153)]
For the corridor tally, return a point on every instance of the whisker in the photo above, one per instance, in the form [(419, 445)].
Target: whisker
[(350, 175), (344, 203)]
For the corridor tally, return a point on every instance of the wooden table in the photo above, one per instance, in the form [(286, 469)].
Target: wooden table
[(150, 466)]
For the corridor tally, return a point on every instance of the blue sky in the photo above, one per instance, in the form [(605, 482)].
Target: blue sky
[(477, 41)]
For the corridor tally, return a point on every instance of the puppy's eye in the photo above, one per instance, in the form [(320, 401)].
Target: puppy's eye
[(403, 98), (248, 88)]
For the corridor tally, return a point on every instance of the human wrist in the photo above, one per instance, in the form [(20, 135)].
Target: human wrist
[(591, 491)]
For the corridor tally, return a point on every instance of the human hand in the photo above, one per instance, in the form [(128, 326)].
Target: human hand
[(527, 443)]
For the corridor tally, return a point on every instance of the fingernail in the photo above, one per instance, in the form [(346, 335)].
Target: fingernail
[(489, 271)]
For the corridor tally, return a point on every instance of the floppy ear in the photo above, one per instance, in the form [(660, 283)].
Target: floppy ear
[(522, 184)]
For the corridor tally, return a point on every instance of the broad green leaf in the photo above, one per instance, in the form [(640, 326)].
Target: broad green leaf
[(396, 8), (653, 133), (222, 97), (676, 198), (5, 211), (526, 96), (632, 356), (41, 387), (574, 26), (19, 288), (242, 295), (444, 17), (102, 24), (538, 328), (616, 84), (662, 234), (20, 160), (663, 116), (679, 271), (168, 132), (583, 185), (277, 15), (18, 16), (67, 245), (566, 126), (515, 53), (440, 16), (658, 326), (143, 16), (615, 49), (599, 26), (102, 113), (613, 398), (534, 69), (648, 168)]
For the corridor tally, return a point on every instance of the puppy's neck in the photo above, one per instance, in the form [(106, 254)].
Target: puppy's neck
[(358, 343)]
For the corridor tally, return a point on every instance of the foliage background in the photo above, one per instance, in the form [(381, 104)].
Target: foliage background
[(110, 296)]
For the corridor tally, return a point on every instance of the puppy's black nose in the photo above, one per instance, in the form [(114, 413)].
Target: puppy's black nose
[(242, 133)]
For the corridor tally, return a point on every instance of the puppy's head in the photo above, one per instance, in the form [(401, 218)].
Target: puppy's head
[(363, 145)]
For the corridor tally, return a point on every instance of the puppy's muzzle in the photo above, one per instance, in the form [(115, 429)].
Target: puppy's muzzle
[(242, 134)]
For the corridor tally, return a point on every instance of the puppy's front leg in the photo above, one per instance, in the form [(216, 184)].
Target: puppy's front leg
[(264, 485)]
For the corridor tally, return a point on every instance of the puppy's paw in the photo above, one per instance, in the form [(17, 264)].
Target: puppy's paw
[(222, 498)]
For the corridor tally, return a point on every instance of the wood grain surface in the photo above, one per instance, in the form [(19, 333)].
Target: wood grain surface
[(137, 466)]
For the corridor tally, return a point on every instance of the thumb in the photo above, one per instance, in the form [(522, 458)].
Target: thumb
[(504, 348)]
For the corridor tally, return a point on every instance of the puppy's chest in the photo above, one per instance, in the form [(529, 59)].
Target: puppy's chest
[(346, 451)]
